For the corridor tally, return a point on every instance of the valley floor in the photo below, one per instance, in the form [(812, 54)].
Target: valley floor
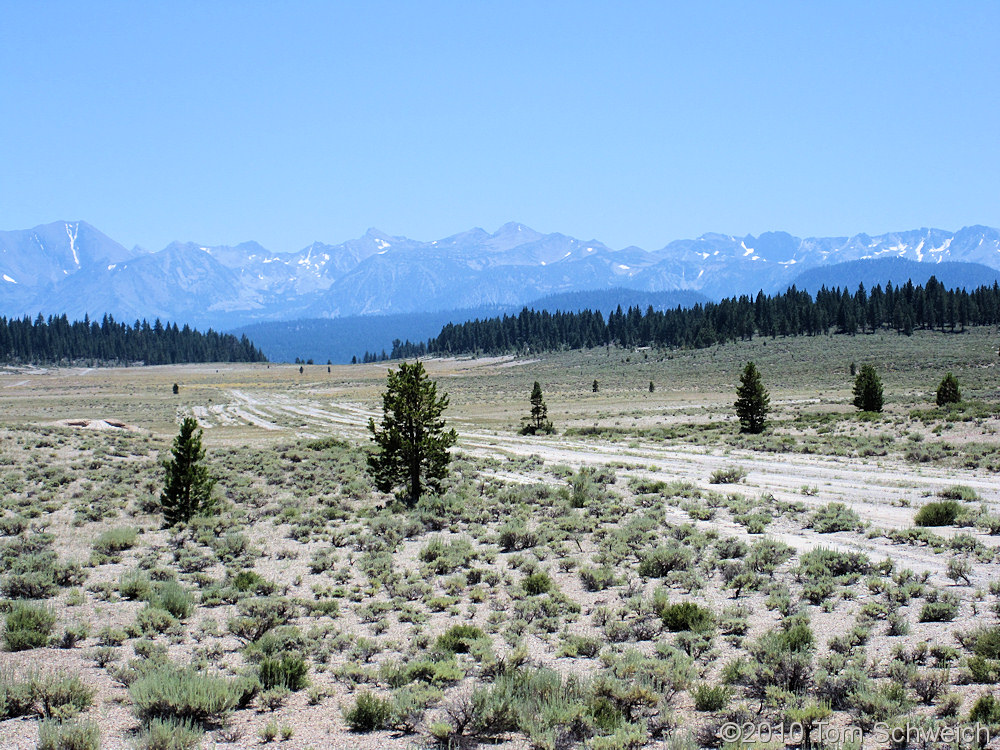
[(569, 552)]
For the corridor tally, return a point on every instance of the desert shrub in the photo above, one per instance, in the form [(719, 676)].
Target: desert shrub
[(282, 640), (660, 561), (942, 513), (872, 705), (959, 569), (981, 671), (249, 581), (134, 585), (71, 735), (113, 541), (728, 475), (537, 702), (288, 672), (929, 684), (60, 695), (834, 517), (959, 492), (174, 598), (169, 734), (711, 697), (943, 609), (151, 620), (579, 645), (686, 616), (16, 696), (12, 525), (730, 548), (369, 713), (537, 583), (261, 614), (31, 577), (986, 710), (172, 692), (823, 563), (409, 704), (782, 658), (459, 639), (431, 671), (598, 579), (514, 535), (767, 554), (447, 557), (985, 641), (28, 626)]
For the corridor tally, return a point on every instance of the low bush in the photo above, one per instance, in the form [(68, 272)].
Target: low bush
[(261, 614), (71, 735), (834, 517), (369, 713), (537, 583), (288, 672), (598, 579), (184, 694), (711, 697), (985, 641), (728, 475), (959, 492), (458, 639), (944, 609), (59, 695), (986, 710), (686, 616), (169, 734), (580, 645), (28, 626), (661, 561), (174, 598), (113, 541), (939, 513), (16, 697), (135, 585)]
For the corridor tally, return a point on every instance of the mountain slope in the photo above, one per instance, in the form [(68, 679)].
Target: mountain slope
[(71, 267), (897, 270)]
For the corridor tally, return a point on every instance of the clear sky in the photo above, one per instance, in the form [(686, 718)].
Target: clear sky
[(631, 123)]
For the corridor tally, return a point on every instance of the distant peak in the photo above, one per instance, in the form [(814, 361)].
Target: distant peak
[(513, 227)]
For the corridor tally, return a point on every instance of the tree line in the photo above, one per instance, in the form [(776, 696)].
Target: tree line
[(58, 341), (795, 312)]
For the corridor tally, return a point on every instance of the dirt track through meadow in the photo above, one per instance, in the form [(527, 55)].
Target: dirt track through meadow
[(884, 492)]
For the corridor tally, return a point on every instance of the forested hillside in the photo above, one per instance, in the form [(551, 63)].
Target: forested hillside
[(57, 341), (792, 313)]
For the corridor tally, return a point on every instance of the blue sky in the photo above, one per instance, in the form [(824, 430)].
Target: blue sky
[(632, 123)]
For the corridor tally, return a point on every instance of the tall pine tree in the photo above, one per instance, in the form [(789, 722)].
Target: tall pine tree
[(538, 420), (187, 491), (411, 444), (752, 401), (868, 390), (947, 392)]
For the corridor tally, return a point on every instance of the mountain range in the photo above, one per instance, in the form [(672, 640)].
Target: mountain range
[(73, 268)]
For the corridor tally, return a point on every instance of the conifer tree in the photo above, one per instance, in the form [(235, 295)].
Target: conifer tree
[(538, 420), (868, 390), (652, 387), (594, 387), (187, 490), (947, 392), (411, 444), (752, 401)]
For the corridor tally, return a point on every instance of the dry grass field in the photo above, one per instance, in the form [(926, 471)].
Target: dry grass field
[(646, 577)]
